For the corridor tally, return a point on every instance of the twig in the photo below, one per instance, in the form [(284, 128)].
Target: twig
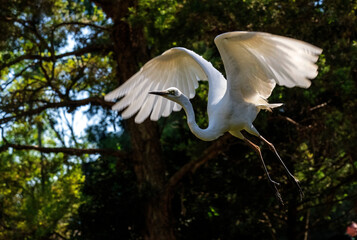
[(320, 106)]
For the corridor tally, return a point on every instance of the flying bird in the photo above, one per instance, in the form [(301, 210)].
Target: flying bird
[(254, 63)]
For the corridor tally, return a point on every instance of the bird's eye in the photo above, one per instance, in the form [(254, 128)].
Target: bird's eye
[(172, 92)]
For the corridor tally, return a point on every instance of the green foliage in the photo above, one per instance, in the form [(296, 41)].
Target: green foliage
[(41, 192), (111, 203), (37, 202)]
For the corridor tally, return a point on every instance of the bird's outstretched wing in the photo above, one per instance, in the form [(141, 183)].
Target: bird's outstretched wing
[(255, 62), (177, 67)]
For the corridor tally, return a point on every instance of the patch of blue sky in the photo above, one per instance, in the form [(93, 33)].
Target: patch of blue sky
[(78, 120)]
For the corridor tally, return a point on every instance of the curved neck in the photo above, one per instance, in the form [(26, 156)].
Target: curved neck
[(207, 134)]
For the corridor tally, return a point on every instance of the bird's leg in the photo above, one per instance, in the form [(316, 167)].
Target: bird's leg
[(272, 148), (256, 148)]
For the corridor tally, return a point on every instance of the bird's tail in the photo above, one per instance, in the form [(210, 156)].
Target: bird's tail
[(268, 107)]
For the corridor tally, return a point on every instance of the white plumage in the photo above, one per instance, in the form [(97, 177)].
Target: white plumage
[(254, 63)]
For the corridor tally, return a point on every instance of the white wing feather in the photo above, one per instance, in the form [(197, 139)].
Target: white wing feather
[(255, 62), (177, 67)]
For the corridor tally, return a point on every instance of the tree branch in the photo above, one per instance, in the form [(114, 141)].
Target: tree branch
[(211, 152), (78, 52), (289, 120), (81, 24), (96, 101), (69, 151)]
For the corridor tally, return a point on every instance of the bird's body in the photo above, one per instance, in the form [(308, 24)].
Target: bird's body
[(254, 63), (222, 118)]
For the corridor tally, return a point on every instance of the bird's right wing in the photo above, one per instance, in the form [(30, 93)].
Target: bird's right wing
[(256, 61), (177, 67)]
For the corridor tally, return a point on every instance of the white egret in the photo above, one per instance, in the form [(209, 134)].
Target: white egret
[(254, 63)]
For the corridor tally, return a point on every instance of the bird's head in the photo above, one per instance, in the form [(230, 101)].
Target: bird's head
[(171, 93)]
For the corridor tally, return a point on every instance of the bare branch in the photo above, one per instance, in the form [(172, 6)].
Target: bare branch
[(7, 83), (58, 134), (70, 127), (320, 106), (211, 152), (289, 120)]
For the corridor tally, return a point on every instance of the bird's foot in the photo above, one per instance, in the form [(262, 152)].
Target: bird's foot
[(277, 193), (297, 183)]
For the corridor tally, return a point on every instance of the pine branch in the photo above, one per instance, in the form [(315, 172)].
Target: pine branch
[(69, 151), (78, 52), (70, 104), (79, 23)]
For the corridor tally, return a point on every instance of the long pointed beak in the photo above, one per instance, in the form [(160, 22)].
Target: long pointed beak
[(160, 93)]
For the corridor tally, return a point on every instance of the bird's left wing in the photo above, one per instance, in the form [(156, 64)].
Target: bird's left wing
[(177, 67), (256, 61)]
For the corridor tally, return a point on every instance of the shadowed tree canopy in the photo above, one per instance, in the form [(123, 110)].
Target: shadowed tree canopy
[(70, 168)]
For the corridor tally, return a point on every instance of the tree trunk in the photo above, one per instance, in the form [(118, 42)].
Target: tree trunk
[(129, 48), (150, 171)]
